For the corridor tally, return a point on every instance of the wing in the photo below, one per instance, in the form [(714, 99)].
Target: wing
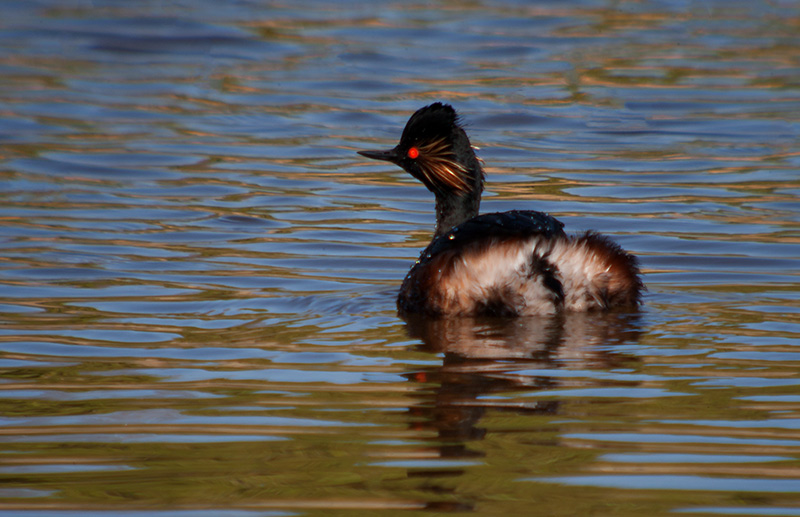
[(519, 263)]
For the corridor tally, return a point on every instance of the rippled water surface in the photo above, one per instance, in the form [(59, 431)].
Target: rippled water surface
[(198, 272)]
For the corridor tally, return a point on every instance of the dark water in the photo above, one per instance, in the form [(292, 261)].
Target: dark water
[(198, 272)]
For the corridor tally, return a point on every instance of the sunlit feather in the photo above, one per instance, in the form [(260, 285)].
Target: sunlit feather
[(439, 165)]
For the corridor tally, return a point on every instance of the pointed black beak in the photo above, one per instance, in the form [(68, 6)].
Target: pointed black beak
[(388, 156)]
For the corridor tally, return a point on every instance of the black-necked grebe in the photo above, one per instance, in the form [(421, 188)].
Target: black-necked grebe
[(510, 264)]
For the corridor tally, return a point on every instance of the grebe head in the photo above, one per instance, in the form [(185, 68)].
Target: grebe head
[(435, 149)]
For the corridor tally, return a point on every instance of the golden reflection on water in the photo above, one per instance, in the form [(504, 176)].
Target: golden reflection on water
[(198, 273)]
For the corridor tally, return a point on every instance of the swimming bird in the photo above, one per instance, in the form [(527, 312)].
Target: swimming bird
[(513, 263)]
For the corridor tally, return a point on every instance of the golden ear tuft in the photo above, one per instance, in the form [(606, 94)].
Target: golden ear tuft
[(439, 165)]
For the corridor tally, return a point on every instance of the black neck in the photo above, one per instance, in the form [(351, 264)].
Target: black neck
[(452, 210), (453, 207)]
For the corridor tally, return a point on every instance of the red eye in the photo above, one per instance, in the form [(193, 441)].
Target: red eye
[(413, 152)]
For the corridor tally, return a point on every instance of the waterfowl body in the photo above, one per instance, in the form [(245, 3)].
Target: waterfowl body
[(512, 263)]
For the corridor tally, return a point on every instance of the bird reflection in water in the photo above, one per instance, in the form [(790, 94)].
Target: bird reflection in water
[(486, 356)]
